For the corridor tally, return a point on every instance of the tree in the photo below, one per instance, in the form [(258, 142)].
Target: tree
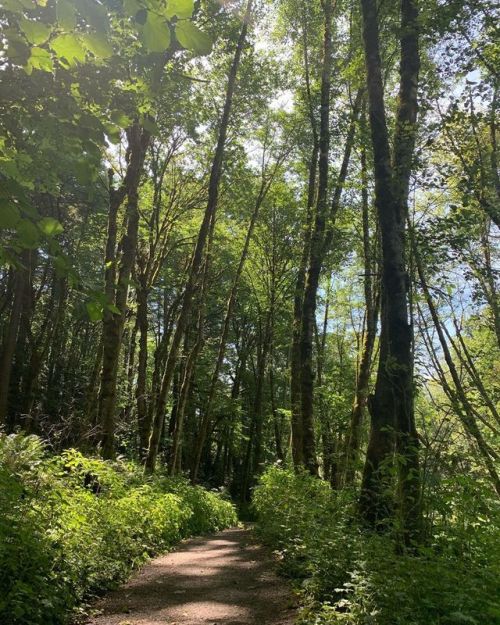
[(391, 405), (213, 194)]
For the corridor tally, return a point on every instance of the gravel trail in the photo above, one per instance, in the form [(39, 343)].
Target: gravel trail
[(223, 579)]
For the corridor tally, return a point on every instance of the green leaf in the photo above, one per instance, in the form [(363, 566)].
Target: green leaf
[(155, 33), (150, 125), (95, 14), (181, 8), (50, 226), (114, 309), (18, 50), (94, 311), (9, 215), (28, 234), (141, 16), (98, 45), (131, 7), (17, 6), (11, 188), (120, 119), (66, 14), (192, 38), (40, 59), (61, 265), (68, 47), (84, 171), (113, 132), (35, 32)]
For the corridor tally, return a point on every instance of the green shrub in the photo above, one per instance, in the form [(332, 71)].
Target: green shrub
[(210, 512), (72, 527), (353, 577)]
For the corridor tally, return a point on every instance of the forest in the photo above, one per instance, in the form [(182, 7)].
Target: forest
[(250, 268)]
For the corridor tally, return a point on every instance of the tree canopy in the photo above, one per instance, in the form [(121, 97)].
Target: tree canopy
[(257, 232)]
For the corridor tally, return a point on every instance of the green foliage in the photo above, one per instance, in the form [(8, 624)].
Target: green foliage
[(192, 38), (72, 527), (155, 33), (35, 25), (209, 511), (354, 577), (47, 48)]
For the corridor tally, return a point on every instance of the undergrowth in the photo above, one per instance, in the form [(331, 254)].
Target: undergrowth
[(349, 576), (72, 527)]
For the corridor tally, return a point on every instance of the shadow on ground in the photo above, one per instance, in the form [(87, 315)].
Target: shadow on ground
[(225, 579)]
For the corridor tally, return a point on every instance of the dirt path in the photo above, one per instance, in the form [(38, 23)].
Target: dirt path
[(225, 579)]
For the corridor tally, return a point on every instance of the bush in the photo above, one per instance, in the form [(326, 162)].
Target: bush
[(210, 512), (353, 577), (72, 527)]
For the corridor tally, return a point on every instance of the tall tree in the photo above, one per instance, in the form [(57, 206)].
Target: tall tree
[(371, 300), (315, 249), (114, 318), (213, 196), (391, 406)]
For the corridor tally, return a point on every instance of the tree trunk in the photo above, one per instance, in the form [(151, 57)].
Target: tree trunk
[(258, 413), (369, 335), (160, 356), (315, 254), (10, 338), (391, 406), (174, 464), (463, 407), (253, 455), (113, 321), (296, 433), (53, 321), (141, 388), (205, 424), (189, 368), (488, 280), (295, 362), (92, 393), (213, 195), (274, 409)]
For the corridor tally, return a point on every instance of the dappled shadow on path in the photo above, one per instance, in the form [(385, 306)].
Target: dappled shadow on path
[(225, 579)]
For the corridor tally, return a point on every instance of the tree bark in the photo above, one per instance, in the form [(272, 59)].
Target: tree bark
[(160, 356), (272, 395), (297, 438), (295, 361), (188, 374), (141, 387), (54, 318), (205, 424), (391, 406), (213, 195), (114, 322), (324, 416), (253, 456), (10, 338), (369, 335), (315, 254)]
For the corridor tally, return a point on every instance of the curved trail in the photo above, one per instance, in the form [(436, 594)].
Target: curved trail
[(224, 579)]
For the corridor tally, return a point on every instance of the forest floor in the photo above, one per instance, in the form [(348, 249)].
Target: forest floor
[(223, 579)]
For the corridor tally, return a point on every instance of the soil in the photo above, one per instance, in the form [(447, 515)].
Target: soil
[(223, 579)]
